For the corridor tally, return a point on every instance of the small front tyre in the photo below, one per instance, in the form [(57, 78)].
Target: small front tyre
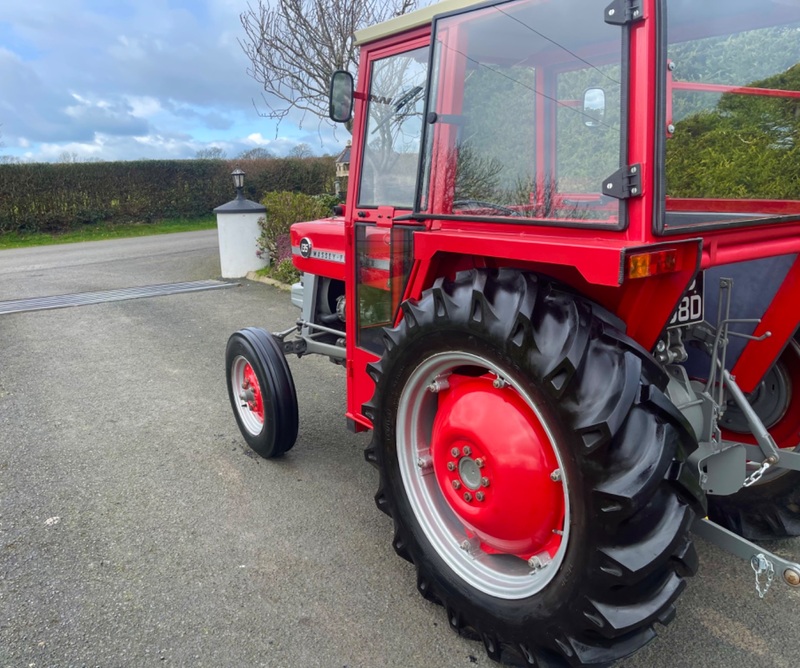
[(261, 391)]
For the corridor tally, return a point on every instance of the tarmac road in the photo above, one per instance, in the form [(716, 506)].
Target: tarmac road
[(136, 528)]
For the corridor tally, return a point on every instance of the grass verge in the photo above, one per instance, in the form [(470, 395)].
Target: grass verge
[(100, 231)]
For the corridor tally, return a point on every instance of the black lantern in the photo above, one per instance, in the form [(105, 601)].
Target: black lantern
[(238, 181)]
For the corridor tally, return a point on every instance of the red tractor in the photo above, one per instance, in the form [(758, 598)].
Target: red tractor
[(564, 289)]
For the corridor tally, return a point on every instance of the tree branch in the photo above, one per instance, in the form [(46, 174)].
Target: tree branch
[(294, 46)]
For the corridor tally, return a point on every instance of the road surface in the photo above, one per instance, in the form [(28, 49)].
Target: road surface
[(136, 528)]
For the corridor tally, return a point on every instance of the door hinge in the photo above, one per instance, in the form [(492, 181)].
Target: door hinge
[(623, 12), (625, 183)]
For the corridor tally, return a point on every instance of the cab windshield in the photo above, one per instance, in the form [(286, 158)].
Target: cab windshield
[(524, 119)]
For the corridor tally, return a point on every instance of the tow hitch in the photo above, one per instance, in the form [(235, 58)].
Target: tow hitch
[(764, 563)]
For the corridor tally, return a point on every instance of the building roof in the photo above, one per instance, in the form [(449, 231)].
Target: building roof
[(344, 156)]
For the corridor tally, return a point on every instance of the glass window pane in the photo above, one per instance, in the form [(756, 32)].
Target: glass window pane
[(394, 128), (513, 133), (384, 258), (734, 103)]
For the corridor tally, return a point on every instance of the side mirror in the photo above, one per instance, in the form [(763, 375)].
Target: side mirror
[(341, 97), (594, 107)]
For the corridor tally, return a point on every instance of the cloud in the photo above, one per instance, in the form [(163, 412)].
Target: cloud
[(94, 78), (105, 117)]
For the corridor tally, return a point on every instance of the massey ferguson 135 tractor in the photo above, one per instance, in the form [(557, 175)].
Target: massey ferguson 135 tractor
[(565, 291)]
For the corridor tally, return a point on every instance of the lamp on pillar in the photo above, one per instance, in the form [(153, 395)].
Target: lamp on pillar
[(239, 231), (238, 182)]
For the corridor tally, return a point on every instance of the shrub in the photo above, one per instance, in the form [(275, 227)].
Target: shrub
[(283, 210), (285, 272)]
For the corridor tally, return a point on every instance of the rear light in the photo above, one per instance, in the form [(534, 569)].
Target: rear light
[(642, 265)]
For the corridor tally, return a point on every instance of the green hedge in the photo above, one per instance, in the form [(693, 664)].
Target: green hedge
[(43, 197)]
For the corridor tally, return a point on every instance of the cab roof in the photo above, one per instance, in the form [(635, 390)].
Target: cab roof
[(415, 19)]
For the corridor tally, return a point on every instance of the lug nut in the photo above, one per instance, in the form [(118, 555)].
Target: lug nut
[(467, 497), (480, 496), (484, 482), (439, 385), (539, 561), (451, 466), (454, 452), (456, 484), (467, 451), (480, 462)]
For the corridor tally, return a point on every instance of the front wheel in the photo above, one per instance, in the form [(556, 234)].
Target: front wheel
[(261, 392), (533, 470)]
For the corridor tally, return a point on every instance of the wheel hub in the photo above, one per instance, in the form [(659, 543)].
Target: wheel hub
[(494, 462), (470, 472)]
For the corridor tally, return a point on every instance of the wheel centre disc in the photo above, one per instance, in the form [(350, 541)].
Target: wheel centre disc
[(495, 465), (252, 393)]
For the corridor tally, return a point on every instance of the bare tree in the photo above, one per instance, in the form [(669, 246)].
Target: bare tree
[(301, 151), (294, 46), (210, 153), (258, 153)]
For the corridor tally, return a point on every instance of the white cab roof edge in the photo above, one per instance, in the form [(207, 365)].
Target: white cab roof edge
[(415, 19)]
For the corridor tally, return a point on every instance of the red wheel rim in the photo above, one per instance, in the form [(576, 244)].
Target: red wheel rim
[(249, 397), (252, 392)]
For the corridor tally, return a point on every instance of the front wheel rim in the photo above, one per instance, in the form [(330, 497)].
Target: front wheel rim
[(248, 396), (497, 563)]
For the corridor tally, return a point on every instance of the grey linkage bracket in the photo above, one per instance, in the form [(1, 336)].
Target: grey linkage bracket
[(623, 12)]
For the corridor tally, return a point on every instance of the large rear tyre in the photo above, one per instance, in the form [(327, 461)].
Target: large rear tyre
[(771, 508), (261, 391), (534, 470)]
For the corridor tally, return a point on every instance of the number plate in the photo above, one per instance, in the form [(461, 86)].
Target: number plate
[(690, 308)]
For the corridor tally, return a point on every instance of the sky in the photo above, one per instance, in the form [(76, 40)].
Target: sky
[(134, 79)]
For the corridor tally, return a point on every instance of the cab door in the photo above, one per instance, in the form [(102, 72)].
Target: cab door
[(386, 142)]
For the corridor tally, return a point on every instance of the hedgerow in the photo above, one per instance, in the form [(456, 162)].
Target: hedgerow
[(44, 197)]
